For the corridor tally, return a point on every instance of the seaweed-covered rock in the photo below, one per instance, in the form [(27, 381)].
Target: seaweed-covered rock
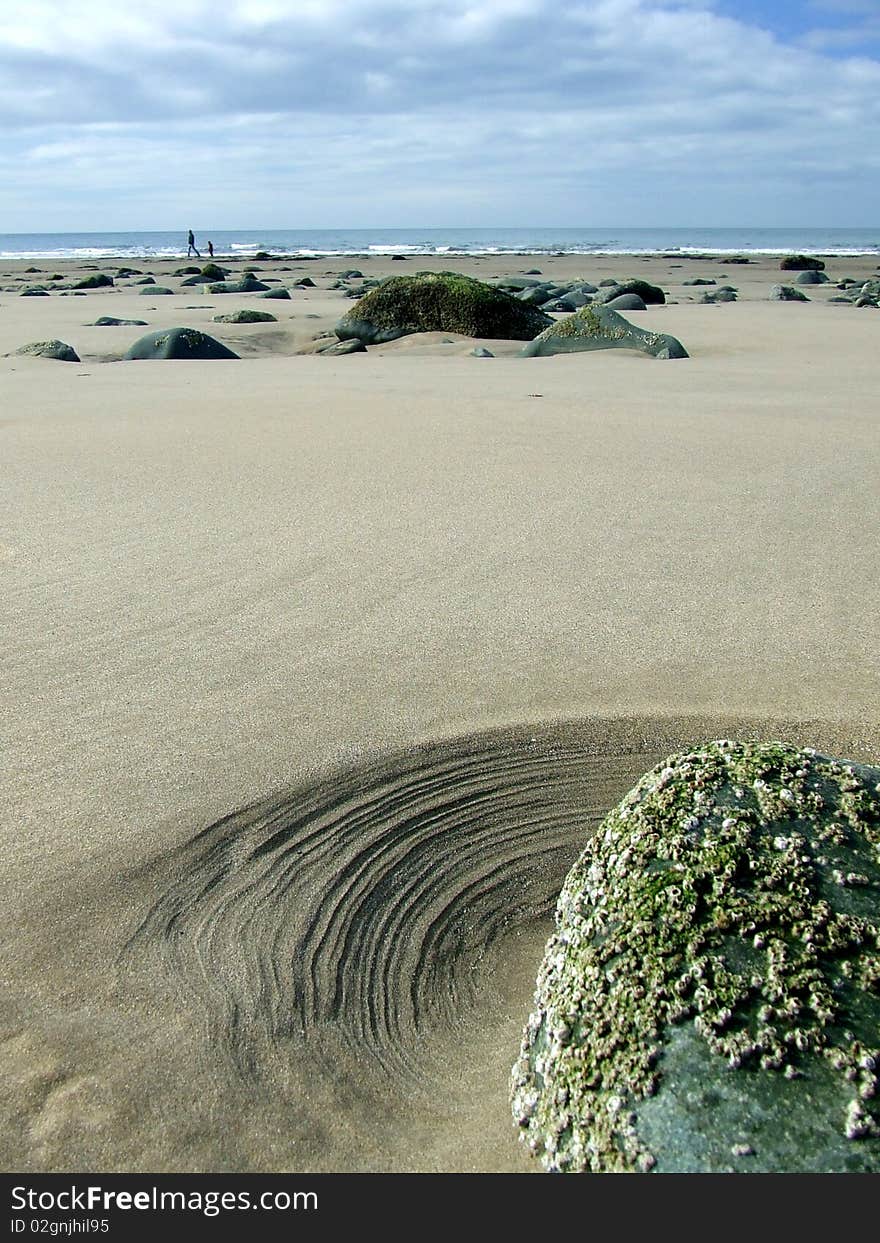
[(97, 281), (34, 291), (155, 291), (600, 328), (710, 1000), (246, 317), (787, 293), (304, 282), (801, 263), (870, 289), (59, 350), (213, 272), (439, 302), (650, 294), (177, 343)]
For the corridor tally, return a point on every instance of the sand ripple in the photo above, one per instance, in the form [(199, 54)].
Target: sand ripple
[(371, 900)]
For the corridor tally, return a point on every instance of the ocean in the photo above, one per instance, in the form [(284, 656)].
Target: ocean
[(320, 242)]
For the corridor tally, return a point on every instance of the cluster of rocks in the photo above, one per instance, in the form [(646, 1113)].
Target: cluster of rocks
[(513, 308)]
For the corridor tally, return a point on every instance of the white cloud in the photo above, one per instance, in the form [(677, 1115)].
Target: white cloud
[(634, 111)]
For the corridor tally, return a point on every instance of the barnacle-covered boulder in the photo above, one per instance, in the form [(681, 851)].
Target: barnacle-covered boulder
[(59, 350), (178, 343), (600, 328), (710, 1000), (439, 302)]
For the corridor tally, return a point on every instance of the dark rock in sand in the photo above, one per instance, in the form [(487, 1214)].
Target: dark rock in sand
[(198, 278), (177, 343), (811, 277), (626, 302), (190, 270), (109, 321), (34, 291), (710, 1000), (247, 284), (246, 317), (304, 282), (155, 290), (145, 280), (275, 293), (98, 281), (787, 293), (725, 294), (600, 328), (214, 272), (352, 346), (801, 263), (122, 273), (351, 274), (439, 302), (58, 350), (480, 351), (650, 294), (699, 280), (262, 254)]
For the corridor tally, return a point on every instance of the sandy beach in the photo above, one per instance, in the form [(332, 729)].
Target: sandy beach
[(319, 671)]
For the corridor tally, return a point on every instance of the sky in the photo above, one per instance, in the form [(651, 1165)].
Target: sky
[(291, 114)]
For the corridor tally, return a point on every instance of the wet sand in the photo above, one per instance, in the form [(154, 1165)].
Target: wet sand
[(319, 671)]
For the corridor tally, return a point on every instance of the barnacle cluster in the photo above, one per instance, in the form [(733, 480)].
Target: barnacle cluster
[(733, 892)]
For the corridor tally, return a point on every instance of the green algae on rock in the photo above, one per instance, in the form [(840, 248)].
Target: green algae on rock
[(177, 343), (439, 302), (710, 1000), (600, 328)]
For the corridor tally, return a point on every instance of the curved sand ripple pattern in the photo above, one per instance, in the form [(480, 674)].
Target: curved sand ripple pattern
[(369, 905)]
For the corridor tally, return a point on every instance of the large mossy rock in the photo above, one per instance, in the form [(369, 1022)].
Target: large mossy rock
[(600, 328), (177, 343), (650, 294), (439, 302), (710, 1000), (60, 351), (97, 281), (801, 263)]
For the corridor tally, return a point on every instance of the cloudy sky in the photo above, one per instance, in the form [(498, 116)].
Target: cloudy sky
[(344, 113)]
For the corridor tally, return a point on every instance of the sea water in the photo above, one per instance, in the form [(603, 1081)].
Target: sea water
[(537, 241)]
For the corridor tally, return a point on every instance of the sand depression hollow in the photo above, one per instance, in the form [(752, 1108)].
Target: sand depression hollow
[(377, 902)]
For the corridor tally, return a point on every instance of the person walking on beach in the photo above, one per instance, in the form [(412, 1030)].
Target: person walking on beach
[(210, 250), (191, 245)]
